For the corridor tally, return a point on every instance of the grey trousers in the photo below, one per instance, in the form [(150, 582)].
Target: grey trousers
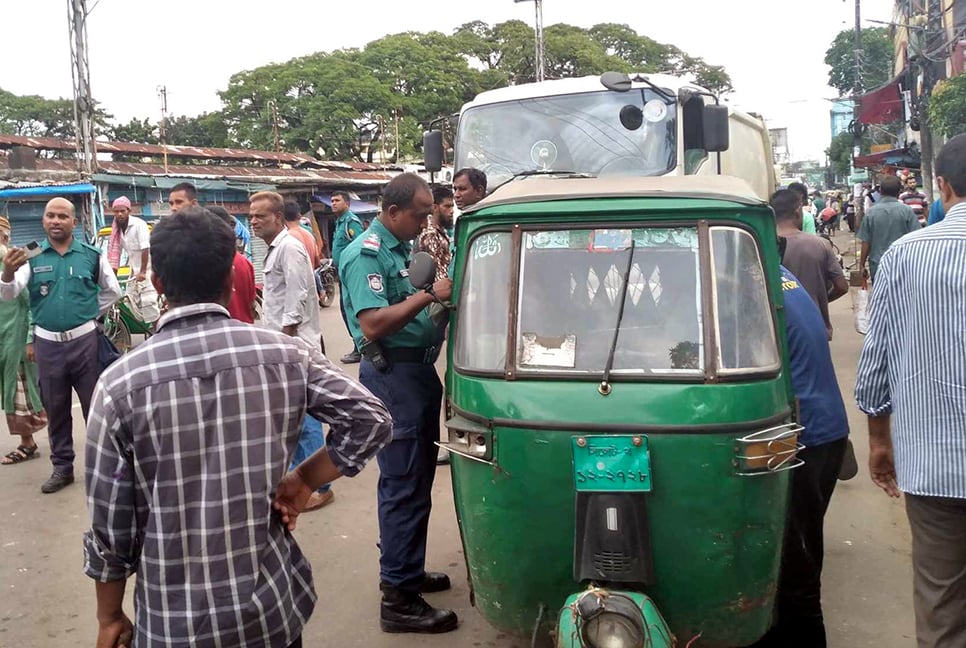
[(63, 366), (939, 569)]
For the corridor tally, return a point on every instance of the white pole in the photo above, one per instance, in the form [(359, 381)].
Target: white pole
[(538, 4)]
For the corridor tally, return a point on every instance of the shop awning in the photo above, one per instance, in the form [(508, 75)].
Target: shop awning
[(901, 157), (882, 105), (46, 190), (357, 207)]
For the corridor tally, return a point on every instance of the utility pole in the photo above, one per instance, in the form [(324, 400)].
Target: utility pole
[(932, 44), (83, 100), (538, 63), (856, 93), (84, 135), (274, 108), (163, 127)]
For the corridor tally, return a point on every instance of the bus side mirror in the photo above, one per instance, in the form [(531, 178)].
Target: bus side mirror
[(433, 150), (422, 270), (715, 129)]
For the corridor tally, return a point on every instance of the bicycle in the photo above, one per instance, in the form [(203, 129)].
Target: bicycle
[(120, 322)]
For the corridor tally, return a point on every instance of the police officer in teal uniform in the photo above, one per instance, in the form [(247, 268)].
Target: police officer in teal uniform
[(347, 228), (390, 323), (70, 283)]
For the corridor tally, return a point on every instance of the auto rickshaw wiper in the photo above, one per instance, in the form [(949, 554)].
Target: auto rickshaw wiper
[(540, 172), (605, 387)]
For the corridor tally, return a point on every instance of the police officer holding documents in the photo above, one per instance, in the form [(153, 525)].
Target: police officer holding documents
[(391, 325), (70, 283)]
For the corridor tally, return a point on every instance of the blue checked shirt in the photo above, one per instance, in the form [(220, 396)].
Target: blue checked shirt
[(188, 436), (913, 362)]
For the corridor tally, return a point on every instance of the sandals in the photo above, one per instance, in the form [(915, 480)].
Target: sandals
[(21, 454)]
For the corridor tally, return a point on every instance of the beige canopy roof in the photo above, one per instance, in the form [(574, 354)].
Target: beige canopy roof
[(544, 189)]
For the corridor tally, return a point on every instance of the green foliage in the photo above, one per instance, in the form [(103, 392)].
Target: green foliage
[(947, 106), (878, 54), (141, 131), (34, 116), (343, 104)]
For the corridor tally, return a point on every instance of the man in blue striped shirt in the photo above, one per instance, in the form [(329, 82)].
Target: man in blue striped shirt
[(913, 366)]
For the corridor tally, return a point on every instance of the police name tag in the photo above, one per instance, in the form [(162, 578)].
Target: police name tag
[(404, 272), (46, 268)]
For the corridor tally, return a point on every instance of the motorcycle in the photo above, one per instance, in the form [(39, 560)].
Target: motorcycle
[(325, 281)]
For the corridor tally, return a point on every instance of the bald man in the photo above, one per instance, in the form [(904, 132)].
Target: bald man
[(70, 283)]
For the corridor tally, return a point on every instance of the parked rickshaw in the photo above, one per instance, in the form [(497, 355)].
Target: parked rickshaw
[(619, 410)]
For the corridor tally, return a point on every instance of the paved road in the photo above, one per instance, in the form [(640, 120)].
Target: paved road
[(47, 602)]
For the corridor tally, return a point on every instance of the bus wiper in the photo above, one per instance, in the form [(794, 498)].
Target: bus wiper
[(538, 172), (605, 387)]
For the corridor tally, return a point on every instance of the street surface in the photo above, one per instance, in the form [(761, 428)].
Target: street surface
[(47, 602)]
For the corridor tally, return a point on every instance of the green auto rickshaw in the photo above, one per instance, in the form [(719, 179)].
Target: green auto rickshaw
[(619, 410)]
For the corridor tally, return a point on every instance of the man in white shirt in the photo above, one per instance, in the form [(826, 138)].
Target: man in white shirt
[(290, 305), (135, 239)]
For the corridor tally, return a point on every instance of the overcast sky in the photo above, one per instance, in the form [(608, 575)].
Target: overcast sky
[(773, 49)]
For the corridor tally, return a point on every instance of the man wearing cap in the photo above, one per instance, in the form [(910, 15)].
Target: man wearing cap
[(69, 284), (131, 234), (19, 395)]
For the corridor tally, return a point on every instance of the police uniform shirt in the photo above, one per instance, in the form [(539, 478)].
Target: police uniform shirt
[(65, 291), (375, 274), (347, 228)]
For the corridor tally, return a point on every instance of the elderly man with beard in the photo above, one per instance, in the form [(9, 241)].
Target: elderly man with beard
[(19, 394), (69, 284), (131, 234)]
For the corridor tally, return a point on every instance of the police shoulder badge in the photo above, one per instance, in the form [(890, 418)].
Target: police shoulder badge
[(375, 282), (371, 244), (44, 289)]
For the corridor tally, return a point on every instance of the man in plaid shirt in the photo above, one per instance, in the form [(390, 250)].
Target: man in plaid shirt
[(188, 437)]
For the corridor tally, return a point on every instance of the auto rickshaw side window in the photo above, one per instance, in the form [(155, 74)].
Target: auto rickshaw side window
[(571, 287), (484, 303), (745, 328)]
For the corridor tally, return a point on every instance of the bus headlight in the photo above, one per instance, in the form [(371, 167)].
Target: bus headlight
[(610, 620)]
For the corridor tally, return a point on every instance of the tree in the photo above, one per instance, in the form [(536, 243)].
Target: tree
[(947, 106), (35, 116), (878, 54), (140, 131), (205, 130)]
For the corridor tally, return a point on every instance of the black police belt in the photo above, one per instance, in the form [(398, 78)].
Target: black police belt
[(419, 355)]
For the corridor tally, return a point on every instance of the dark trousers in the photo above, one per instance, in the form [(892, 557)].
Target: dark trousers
[(799, 621), (938, 527), (345, 317), (407, 466), (63, 366)]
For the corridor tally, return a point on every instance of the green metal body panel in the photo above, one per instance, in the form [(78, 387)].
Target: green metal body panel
[(657, 630), (716, 537)]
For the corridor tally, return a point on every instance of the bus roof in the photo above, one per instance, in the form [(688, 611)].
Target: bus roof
[(533, 189), (570, 86)]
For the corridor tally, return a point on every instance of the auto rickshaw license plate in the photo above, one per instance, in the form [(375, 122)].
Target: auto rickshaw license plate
[(612, 463)]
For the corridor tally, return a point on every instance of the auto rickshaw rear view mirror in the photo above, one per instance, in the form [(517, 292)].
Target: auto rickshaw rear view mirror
[(422, 270)]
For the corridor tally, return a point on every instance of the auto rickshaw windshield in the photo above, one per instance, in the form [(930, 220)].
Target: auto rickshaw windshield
[(570, 288)]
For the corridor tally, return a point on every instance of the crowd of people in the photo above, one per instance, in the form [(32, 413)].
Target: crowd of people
[(186, 392), (184, 423)]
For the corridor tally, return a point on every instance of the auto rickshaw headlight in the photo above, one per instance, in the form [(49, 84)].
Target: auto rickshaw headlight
[(608, 620)]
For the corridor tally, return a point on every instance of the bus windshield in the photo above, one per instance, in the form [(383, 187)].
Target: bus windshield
[(594, 133)]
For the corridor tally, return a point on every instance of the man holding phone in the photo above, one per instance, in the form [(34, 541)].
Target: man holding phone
[(69, 284)]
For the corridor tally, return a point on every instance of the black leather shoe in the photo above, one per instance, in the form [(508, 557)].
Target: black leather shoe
[(56, 482), (404, 611), (353, 357), (434, 582)]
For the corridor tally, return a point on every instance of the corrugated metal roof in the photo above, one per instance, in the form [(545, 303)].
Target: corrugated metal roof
[(189, 152), (268, 175)]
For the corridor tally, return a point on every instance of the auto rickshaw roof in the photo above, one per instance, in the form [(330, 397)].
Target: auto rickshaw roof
[(534, 189)]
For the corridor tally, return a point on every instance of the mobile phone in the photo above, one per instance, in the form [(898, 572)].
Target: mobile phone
[(32, 249)]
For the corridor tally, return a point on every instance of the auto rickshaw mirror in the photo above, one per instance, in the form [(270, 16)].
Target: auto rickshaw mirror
[(616, 81), (715, 126), (433, 150), (422, 270)]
